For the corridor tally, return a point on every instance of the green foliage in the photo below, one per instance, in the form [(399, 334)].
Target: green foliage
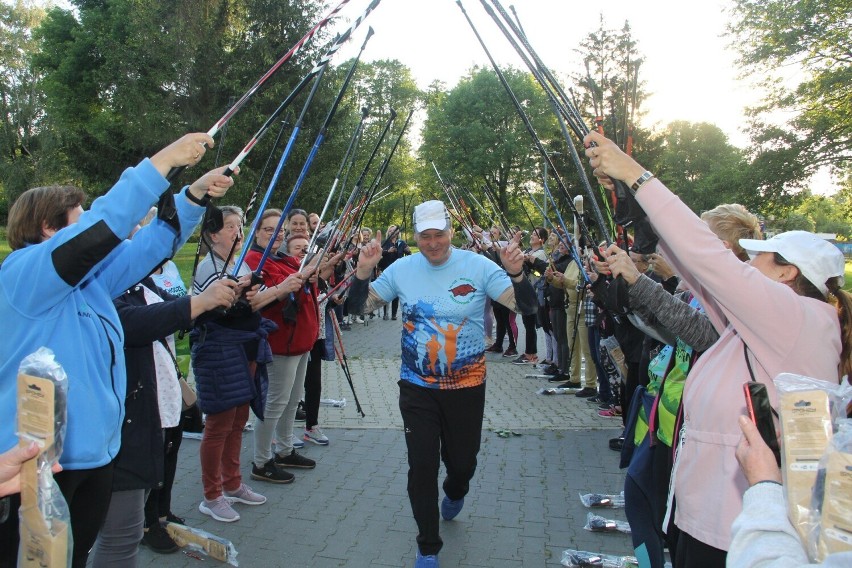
[(126, 77), (474, 135), (380, 86), (700, 165), (774, 35), (826, 215), (28, 154), (611, 89)]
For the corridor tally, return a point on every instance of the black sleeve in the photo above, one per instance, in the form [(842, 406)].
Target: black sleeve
[(539, 265), (358, 292), (525, 298), (145, 324)]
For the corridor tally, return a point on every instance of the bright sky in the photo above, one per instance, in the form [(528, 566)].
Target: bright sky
[(688, 70)]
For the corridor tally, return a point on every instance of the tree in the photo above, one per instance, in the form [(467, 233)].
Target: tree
[(27, 155), (611, 87), (700, 165), (381, 86), (774, 36), (474, 134), (827, 215), (125, 77)]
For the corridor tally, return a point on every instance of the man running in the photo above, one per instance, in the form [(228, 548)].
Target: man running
[(442, 290)]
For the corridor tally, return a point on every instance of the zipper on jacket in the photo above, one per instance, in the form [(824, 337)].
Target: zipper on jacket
[(670, 498), (104, 323)]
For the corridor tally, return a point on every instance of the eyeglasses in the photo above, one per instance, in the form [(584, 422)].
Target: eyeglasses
[(268, 230)]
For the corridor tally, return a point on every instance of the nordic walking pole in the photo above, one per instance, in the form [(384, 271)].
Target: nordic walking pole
[(306, 167), (344, 363)]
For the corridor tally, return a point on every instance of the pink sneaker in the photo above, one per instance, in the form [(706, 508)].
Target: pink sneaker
[(610, 413)]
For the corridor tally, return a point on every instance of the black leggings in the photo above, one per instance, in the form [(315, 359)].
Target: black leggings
[(692, 553), (445, 424), (159, 503), (87, 492), (530, 337), (313, 383), (501, 318)]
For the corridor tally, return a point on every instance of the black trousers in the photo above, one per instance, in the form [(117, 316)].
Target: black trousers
[(501, 319), (394, 308), (445, 424), (530, 336), (159, 502), (692, 553), (558, 320), (87, 492), (313, 383)]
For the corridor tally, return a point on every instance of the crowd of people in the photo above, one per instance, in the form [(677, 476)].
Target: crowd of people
[(661, 338)]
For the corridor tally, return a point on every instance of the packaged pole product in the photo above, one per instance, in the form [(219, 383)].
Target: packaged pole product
[(44, 518), (807, 409), (832, 498)]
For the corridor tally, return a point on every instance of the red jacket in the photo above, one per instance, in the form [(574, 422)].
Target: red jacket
[(293, 337)]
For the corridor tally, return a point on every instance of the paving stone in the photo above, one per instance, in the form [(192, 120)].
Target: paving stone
[(352, 510)]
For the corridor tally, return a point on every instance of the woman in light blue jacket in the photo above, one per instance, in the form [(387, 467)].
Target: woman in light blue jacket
[(56, 291)]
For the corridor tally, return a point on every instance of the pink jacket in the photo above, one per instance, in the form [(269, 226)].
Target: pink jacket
[(785, 332)]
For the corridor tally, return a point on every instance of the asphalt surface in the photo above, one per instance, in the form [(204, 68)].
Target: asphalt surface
[(352, 510)]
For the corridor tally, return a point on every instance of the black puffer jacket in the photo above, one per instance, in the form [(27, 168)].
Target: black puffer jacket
[(139, 464)]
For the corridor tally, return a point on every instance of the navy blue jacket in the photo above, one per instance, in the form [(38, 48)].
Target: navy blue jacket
[(139, 464), (223, 377)]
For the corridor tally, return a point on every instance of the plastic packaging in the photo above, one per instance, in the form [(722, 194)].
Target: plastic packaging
[(582, 559), (831, 507), (44, 517), (333, 403), (556, 390), (807, 409), (203, 542), (596, 523), (603, 500)]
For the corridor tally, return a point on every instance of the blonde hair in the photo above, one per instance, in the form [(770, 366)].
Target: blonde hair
[(732, 222)]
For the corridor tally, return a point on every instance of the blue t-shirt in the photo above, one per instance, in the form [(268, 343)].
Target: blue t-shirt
[(443, 308)]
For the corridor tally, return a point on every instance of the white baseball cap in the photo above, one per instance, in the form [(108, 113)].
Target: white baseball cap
[(816, 258), (431, 215)]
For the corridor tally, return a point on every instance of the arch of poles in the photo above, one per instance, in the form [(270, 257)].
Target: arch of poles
[(347, 215)]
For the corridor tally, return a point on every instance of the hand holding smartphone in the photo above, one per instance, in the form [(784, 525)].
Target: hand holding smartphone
[(760, 412)]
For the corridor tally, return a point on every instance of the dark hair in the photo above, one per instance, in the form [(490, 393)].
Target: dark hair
[(843, 303), (294, 212), (38, 208), (542, 233)]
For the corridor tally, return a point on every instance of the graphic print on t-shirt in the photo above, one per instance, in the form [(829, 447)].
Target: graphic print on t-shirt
[(436, 351)]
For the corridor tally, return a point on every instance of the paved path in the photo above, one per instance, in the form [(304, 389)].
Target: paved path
[(353, 510)]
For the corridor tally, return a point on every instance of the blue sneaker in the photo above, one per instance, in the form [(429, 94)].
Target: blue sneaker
[(429, 561), (450, 509)]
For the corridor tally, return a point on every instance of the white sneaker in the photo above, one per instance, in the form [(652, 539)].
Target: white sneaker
[(316, 436), (245, 495), (220, 509), (296, 442)]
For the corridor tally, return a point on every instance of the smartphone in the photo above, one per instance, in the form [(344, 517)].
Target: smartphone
[(760, 412)]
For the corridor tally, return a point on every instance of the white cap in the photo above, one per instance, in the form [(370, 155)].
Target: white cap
[(431, 215), (816, 258)]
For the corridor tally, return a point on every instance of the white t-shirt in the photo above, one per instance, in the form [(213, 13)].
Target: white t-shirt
[(169, 397)]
